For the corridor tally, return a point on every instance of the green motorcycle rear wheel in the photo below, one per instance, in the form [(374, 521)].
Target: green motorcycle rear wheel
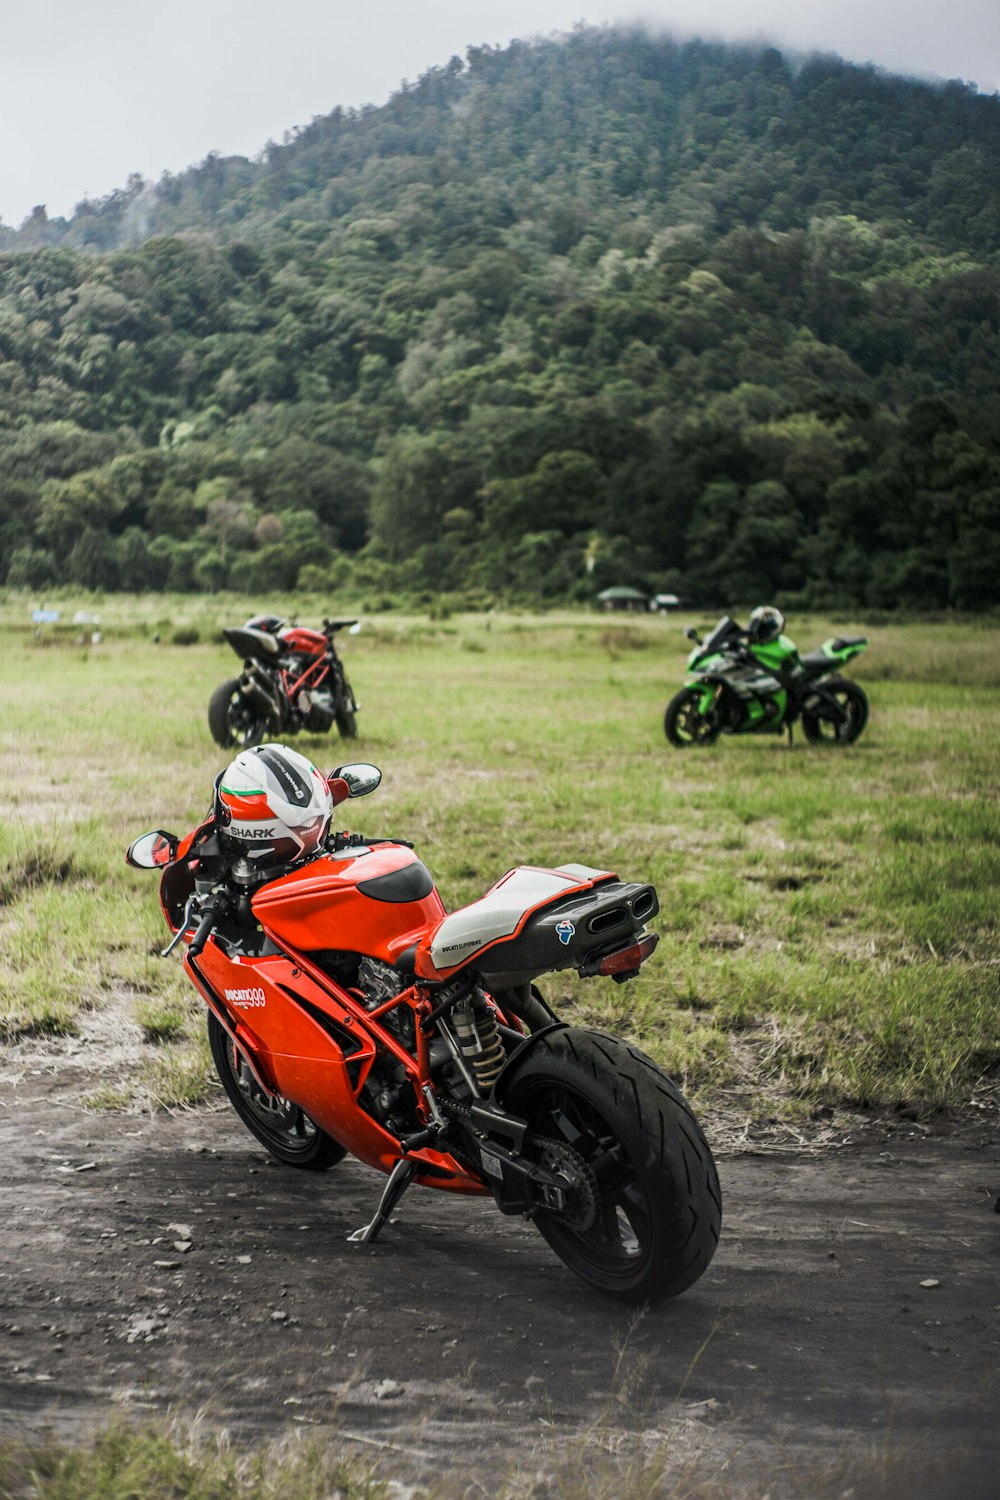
[(853, 701)]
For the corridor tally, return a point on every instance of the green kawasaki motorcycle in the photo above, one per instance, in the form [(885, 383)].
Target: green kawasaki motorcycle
[(754, 681)]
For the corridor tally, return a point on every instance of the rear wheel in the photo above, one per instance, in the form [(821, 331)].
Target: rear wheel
[(820, 729), (233, 721), (643, 1202), (684, 723), (284, 1128)]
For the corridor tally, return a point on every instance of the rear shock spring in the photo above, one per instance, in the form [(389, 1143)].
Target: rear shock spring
[(478, 1036)]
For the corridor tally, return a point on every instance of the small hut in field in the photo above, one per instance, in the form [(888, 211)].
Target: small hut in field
[(622, 598)]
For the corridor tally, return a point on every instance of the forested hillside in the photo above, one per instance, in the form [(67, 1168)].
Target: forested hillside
[(600, 310)]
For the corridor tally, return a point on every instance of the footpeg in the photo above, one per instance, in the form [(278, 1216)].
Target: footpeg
[(400, 1178)]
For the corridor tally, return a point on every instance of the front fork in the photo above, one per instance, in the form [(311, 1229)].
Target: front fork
[(710, 696)]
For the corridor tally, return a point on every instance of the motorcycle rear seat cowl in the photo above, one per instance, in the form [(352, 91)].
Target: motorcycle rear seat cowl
[(501, 911), (246, 641), (534, 920), (822, 661)]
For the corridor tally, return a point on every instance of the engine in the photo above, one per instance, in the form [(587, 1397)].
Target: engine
[(379, 981), (316, 707)]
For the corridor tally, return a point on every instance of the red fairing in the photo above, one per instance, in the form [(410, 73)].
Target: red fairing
[(297, 1055), (304, 642), (349, 904)]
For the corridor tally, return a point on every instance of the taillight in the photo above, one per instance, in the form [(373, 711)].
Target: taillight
[(627, 960)]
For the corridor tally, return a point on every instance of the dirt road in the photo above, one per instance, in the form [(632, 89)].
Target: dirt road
[(166, 1263)]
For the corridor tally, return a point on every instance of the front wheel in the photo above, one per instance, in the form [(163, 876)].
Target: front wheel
[(644, 1205), (347, 725), (344, 713), (284, 1128), (824, 729), (684, 723), (232, 720)]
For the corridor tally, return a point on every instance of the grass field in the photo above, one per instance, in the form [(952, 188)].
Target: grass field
[(828, 926)]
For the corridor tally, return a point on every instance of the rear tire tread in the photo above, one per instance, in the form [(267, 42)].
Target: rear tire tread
[(664, 1146), (811, 723)]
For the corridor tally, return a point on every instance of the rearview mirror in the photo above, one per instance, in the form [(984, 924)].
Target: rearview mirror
[(152, 851), (692, 633), (360, 779)]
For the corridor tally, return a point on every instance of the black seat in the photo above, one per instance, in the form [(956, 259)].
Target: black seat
[(841, 642), (249, 642)]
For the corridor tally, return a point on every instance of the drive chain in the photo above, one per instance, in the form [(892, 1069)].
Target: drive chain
[(556, 1156)]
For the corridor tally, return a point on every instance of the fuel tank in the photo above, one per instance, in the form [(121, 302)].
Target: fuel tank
[(378, 900), (302, 641), (776, 654)]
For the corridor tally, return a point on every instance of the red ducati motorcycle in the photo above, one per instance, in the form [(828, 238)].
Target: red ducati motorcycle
[(292, 680), (349, 1012)]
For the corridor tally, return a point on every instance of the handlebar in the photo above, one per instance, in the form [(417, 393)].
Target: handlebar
[(359, 841), (211, 913)]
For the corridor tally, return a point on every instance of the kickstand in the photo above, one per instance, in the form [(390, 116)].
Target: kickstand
[(400, 1178), (788, 726)]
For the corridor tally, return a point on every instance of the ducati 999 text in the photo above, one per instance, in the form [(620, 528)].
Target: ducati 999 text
[(348, 1012)]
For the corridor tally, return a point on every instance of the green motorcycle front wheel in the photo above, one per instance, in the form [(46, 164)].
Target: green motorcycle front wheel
[(684, 723)]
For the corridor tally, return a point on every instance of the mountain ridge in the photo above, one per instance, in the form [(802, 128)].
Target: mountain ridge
[(557, 314), (308, 154)]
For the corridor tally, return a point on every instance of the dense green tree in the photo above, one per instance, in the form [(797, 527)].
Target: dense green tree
[(136, 569), (92, 562), (659, 309), (31, 567)]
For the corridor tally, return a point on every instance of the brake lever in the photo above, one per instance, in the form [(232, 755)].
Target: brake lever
[(182, 929)]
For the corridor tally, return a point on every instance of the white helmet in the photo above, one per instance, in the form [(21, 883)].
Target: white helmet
[(273, 803), (765, 625)]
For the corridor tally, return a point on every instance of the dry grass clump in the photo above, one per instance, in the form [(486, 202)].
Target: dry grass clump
[(179, 1461)]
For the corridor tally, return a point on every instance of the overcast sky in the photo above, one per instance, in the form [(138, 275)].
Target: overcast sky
[(91, 90)]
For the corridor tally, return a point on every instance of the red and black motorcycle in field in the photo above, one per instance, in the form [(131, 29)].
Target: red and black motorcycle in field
[(348, 1012), (292, 680)]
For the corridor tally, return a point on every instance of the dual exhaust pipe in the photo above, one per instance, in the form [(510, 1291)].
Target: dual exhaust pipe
[(258, 691)]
